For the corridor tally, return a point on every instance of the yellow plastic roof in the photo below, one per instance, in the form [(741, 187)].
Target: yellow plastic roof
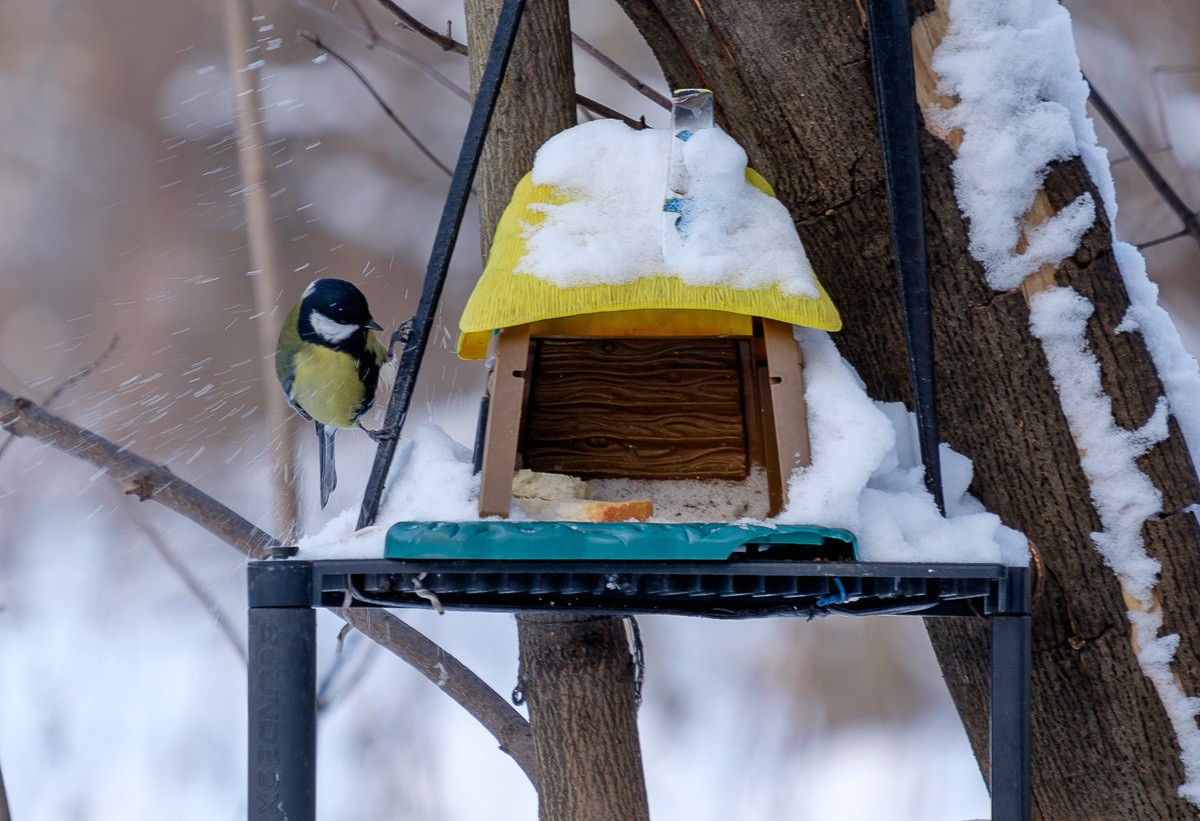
[(502, 298)]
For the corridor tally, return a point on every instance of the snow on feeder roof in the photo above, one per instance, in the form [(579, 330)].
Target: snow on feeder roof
[(583, 234)]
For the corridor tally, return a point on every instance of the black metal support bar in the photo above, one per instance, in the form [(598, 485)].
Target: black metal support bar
[(1012, 697), (899, 133), (443, 247), (282, 693)]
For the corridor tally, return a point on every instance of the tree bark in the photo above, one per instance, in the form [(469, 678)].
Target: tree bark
[(577, 676), (793, 86), (576, 673)]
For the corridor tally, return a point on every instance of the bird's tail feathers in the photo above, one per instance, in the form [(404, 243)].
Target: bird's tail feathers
[(325, 434)]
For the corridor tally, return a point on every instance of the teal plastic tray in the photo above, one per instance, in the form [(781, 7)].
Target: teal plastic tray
[(585, 541)]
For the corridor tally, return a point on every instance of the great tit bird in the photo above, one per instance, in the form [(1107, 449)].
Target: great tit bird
[(328, 361)]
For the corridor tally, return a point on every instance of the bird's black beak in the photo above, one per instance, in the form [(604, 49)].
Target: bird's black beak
[(374, 326)]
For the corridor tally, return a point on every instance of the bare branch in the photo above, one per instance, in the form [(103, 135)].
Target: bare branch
[(146, 480), (372, 32), (387, 109), (1161, 150), (1177, 68), (445, 41), (135, 475), (223, 622), (68, 383), (388, 46), (448, 43), (81, 374), (265, 259), (340, 671), (605, 111), (619, 70), (1191, 225), (1141, 246), (455, 679)]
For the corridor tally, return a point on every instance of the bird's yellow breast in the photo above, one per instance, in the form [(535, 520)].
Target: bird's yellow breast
[(327, 386)]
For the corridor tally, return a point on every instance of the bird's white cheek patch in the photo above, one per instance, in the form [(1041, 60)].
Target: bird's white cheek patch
[(328, 329)]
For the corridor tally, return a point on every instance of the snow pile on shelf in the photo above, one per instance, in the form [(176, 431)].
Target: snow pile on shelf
[(610, 231), (865, 477)]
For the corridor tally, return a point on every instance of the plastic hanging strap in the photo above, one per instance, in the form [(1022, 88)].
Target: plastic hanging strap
[(443, 247), (896, 102), (691, 111)]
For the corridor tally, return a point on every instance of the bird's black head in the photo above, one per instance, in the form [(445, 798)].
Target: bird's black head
[(338, 300), (332, 311)]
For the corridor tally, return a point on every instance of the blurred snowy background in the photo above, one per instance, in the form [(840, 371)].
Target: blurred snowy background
[(120, 214)]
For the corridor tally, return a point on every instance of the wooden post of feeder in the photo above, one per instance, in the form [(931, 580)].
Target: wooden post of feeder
[(781, 386), (506, 389)]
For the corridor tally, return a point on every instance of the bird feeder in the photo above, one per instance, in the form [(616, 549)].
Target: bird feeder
[(657, 377), (555, 355)]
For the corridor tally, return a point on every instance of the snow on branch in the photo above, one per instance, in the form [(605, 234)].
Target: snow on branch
[(1019, 101), (1021, 105), (1124, 497)]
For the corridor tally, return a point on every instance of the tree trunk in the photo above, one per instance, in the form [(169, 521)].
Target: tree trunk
[(792, 82), (576, 673)]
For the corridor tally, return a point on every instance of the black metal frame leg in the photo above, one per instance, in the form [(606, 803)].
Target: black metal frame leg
[(282, 690), (1011, 695)]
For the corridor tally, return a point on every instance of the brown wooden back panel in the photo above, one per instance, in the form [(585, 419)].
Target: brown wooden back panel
[(665, 408)]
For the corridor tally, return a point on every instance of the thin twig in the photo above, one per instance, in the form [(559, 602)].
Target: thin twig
[(223, 622), (150, 481), (328, 691), (1141, 246), (68, 383), (388, 46), (387, 109), (406, 18), (81, 374), (367, 24), (447, 43), (611, 113), (619, 70), (1162, 150), (1191, 224), (1177, 68)]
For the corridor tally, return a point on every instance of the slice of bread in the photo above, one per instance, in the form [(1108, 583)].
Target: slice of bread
[(583, 510)]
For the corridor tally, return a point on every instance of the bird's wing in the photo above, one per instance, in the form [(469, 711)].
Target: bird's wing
[(287, 393), (384, 366)]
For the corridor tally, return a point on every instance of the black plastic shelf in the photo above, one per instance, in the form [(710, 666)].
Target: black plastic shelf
[(734, 589)]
